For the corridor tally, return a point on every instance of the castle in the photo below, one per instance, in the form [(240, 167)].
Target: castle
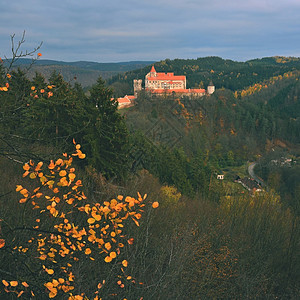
[(158, 83)]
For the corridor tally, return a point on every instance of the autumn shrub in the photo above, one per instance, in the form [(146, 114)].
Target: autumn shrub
[(266, 237), (211, 271)]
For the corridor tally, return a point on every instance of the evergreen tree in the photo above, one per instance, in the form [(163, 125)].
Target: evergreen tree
[(106, 138)]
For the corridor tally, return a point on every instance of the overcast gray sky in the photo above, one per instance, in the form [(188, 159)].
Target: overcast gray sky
[(127, 30)]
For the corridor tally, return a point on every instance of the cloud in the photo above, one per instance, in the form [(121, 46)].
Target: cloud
[(118, 30)]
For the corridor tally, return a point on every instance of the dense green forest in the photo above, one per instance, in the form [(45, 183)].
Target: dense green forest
[(224, 73), (191, 236)]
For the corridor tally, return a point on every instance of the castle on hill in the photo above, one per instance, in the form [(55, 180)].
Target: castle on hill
[(158, 83)]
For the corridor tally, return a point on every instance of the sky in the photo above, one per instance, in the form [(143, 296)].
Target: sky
[(132, 30)]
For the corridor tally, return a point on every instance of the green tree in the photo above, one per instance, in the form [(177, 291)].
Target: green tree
[(106, 138)]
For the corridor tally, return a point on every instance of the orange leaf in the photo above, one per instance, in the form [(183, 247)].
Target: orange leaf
[(20, 294), (87, 251), (14, 283), (5, 282), (72, 176), (26, 167), (108, 259), (62, 173), (2, 243), (125, 263), (50, 271), (107, 246), (130, 241), (155, 204), (19, 188)]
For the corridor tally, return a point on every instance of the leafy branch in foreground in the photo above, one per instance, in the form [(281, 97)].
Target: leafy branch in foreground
[(60, 232)]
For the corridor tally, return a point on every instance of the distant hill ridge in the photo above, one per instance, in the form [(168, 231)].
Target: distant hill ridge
[(225, 73), (83, 72), (118, 66)]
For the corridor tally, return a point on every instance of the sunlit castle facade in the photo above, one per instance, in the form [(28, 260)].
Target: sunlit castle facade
[(157, 83)]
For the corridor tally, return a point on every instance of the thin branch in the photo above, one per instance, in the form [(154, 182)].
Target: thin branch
[(17, 53)]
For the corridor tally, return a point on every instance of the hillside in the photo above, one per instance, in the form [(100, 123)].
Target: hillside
[(216, 133), (127, 204), (223, 72), (84, 72)]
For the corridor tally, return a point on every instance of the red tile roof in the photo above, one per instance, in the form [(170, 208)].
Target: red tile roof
[(153, 70), (180, 91), (123, 100), (168, 76)]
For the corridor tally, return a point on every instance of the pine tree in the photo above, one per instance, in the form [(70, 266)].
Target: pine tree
[(107, 136)]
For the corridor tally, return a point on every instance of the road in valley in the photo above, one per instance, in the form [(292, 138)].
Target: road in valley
[(252, 174)]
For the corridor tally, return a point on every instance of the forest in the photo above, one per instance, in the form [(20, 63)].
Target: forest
[(224, 73), (101, 203)]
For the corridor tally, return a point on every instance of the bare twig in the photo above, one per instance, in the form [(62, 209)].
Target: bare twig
[(17, 53)]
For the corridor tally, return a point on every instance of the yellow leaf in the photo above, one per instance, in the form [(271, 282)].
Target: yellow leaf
[(108, 259), (5, 282), (88, 251), (59, 162), (62, 173), (53, 293), (125, 263), (14, 283), (32, 175), (25, 284), (19, 188), (107, 246), (91, 220), (50, 271), (72, 176), (38, 166), (97, 217)]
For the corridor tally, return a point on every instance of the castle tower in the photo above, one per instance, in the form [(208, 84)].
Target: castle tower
[(152, 72), (137, 86), (210, 88)]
